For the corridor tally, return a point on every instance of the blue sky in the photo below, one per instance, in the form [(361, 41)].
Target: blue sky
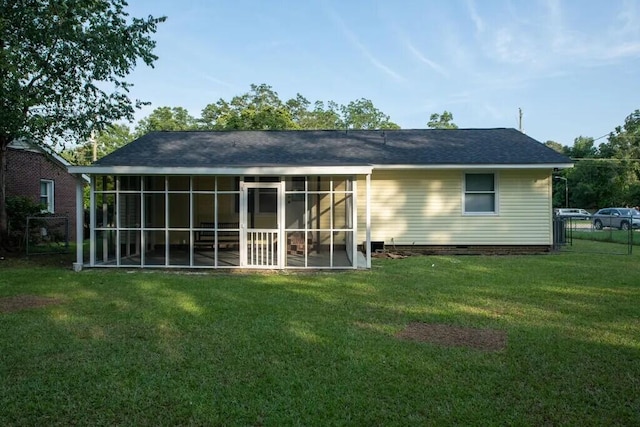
[(572, 66)]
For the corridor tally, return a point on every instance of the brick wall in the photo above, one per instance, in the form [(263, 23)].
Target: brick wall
[(26, 168)]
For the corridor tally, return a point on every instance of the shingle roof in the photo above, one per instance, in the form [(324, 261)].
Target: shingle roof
[(333, 148)]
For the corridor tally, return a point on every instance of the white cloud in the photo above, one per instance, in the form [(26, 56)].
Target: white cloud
[(355, 42), (475, 17), (433, 65)]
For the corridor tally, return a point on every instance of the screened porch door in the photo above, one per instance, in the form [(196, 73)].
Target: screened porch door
[(260, 220)]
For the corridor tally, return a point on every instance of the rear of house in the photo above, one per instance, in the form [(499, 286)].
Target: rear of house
[(317, 199)]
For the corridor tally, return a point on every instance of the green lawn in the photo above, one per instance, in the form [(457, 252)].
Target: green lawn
[(608, 235), (169, 348)]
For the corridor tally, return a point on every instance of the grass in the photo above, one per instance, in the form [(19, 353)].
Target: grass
[(609, 235), (167, 348)]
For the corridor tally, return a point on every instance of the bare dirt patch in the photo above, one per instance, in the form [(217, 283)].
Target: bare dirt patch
[(455, 336), (23, 302)]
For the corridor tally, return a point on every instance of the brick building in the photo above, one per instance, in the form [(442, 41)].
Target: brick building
[(42, 176)]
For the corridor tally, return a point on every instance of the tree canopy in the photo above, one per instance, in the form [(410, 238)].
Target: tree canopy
[(166, 118), (604, 175), (442, 121), (108, 140), (63, 68), (262, 109)]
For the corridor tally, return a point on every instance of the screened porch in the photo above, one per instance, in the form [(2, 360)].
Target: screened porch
[(207, 221)]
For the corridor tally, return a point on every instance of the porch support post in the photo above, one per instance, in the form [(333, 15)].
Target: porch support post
[(368, 219), (77, 266)]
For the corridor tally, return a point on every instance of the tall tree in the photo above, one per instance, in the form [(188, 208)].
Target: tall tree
[(442, 121), (262, 109), (583, 148), (166, 118), (556, 146), (63, 66), (362, 114), (104, 142), (259, 109)]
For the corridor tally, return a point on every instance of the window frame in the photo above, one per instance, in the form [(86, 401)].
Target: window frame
[(494, 192), (49, 196)]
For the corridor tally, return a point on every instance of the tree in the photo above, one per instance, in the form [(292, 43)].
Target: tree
[(362, 114), (583, 148), (63, 66), (166, 118), (260, 109), (106, 141), (556, 146), (442, 121)]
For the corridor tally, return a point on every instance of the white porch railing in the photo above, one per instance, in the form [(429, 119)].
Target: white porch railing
[(262, 248)]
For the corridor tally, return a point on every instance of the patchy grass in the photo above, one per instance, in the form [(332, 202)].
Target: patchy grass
[(623, 237), (169, 348)]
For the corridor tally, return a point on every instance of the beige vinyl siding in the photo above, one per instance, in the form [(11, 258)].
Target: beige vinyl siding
[(425, 208)]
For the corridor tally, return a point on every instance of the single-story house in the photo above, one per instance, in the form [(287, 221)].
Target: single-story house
[(40, 174), (317, 199)]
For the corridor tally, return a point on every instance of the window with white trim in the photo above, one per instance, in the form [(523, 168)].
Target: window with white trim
[(46, 195), (480, 194)]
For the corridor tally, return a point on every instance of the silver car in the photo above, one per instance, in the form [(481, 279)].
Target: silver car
[(622, 218)]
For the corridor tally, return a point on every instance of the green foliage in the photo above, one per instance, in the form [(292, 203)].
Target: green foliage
[(362, 114), (106, 141), (63, 66), (608, 175), (262, 109), (166, 118), (556, 146), (18, 209), (442, 121)]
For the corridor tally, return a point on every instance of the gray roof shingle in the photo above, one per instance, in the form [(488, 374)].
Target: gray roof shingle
[(425, 147)]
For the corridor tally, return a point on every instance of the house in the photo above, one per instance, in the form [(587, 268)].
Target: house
[(41, 174), (317, 199)]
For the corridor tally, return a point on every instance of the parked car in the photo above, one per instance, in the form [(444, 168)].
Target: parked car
[(622, 218), (574, 213)]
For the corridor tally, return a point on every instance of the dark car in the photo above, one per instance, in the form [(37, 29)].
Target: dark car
[(622, 218)]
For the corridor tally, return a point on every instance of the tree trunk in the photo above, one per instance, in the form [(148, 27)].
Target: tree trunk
[(4, 223)]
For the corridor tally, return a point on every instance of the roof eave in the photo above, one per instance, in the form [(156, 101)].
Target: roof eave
[(245, 170), (475, 166)]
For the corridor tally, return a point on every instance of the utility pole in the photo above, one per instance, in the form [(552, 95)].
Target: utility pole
[(94, 143), (520, 120)]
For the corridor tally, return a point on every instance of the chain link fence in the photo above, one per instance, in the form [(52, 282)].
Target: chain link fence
[(47, 235), (580, 235)]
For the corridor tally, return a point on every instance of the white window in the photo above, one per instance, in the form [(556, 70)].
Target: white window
[(46, 195), (480, 193)]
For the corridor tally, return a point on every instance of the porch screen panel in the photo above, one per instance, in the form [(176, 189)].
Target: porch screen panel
[(178, 248), (154, 209), (154, 183), (154, 248), (105, 246), (105, 210), (204, 214), (178, 183), (129, 221), (319, 222), (204, 183), (341, 249), (130, 249), (178, 210)]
